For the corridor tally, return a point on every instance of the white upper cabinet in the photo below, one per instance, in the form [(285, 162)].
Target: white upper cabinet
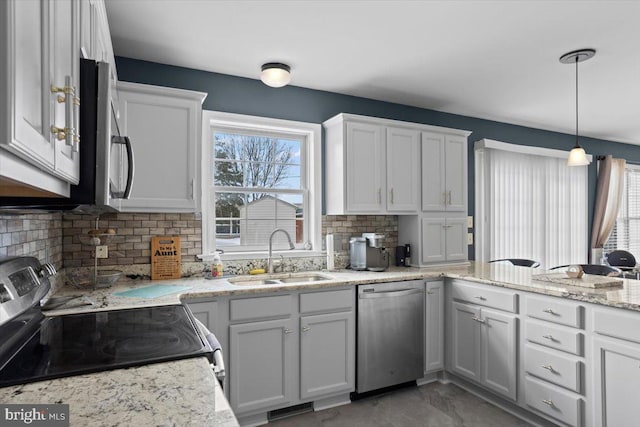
[(444, 172), (373, 165), (363, 169), (403, 169), (39, 147), (164, 126)]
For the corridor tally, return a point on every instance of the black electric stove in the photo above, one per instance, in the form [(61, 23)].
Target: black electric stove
[(39, 347)]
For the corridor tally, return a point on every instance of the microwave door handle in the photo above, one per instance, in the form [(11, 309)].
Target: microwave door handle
[(127, 191), (130, 169)]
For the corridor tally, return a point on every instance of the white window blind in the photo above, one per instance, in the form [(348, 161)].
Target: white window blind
[(626, 232), (530, 205)]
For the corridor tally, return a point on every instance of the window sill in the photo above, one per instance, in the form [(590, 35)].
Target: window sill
[(233, 256)]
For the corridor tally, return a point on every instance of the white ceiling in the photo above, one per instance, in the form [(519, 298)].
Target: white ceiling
[(496, 60)]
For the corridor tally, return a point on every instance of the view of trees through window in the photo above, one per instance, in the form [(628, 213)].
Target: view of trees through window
[(258, 188)]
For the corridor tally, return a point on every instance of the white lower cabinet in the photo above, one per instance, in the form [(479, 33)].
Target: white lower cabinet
[(434, 327), (616, 367), (260, 374), (327, 354), (484, 347), (287, 349)]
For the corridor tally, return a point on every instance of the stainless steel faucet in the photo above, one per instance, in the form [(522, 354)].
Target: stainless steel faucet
[(270, 259)]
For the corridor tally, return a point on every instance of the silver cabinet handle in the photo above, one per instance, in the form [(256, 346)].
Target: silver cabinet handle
[(547, 402), (548, 368), (306, 329), (449, 197), (481, 298), (379, 196), (477, 319), (549, 337), (549, 310), (430, 292), (391, 195), (287, 331)]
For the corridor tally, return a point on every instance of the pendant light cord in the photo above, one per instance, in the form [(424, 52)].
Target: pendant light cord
[(577, 144)]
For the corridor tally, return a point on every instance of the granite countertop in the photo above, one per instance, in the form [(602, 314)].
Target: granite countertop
[(626, 295), (183, 392), (186, 392)]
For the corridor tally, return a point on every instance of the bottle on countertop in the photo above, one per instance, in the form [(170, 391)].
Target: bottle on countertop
[(216, 267), (407, 255)]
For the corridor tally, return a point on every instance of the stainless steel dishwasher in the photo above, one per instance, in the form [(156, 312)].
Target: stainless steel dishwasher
[(390, 334)]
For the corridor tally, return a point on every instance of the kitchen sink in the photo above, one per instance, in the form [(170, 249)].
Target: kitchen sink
[(254, 282), (304, 279), (279, 279)]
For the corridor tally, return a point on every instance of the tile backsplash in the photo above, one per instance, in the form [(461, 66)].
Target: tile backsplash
[(132, 243), (344, 227), (38, 235), (55, 237)]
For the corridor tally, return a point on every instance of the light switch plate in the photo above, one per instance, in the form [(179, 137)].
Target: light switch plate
[(102, 251), (469, 238), (470, 221)]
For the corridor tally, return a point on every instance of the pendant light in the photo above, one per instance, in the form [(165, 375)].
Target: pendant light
[(275, 74), (577, 156)]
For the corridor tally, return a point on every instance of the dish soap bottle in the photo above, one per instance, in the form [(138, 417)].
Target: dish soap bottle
[(216, 267)]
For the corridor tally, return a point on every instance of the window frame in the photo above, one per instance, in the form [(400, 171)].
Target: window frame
[(309, 133), (609, 246)]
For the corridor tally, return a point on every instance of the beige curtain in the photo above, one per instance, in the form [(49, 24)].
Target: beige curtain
[(608, 195)]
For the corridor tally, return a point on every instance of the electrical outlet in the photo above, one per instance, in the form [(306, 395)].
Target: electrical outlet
[(470, 221), (102, 251), (469, 238)]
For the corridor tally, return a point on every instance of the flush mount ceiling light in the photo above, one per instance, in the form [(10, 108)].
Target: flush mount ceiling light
[(275, 74), (577, 156)]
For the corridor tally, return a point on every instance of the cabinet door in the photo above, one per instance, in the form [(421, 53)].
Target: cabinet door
[(456, 239), (434, 327), (616, 370), (465, 340), (403, 170), (65, 63), (152, 117), (364, 168), (434, 194), (262, 365), (327, 354), (456, 172), (27, 27), (206, 312), (498, 352), (433, 240)]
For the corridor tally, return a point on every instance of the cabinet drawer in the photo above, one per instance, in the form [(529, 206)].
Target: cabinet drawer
[(326, 301), (553, 401), (259, 308), (550, 335), (617, 323), (485, 295), (562, 312), (553, 366)]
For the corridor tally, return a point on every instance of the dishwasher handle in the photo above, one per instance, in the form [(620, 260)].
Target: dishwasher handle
[(389, 294)]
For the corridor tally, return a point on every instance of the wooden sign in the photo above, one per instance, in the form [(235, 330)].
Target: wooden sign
[(165, 257)]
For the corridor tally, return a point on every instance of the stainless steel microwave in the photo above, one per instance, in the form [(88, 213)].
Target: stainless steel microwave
[(106, 156)]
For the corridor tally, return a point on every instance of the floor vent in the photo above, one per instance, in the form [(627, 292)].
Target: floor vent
[(279, 414)]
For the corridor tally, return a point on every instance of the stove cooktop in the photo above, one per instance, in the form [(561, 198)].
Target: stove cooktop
[(91, 342)]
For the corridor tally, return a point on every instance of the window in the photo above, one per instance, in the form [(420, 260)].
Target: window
[(260, 174), (626, 231), (530, 204)]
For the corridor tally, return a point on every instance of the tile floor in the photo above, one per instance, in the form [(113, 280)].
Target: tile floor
[(432, 405)]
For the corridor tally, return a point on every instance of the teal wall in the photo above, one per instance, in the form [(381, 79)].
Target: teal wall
[(247, 96)]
